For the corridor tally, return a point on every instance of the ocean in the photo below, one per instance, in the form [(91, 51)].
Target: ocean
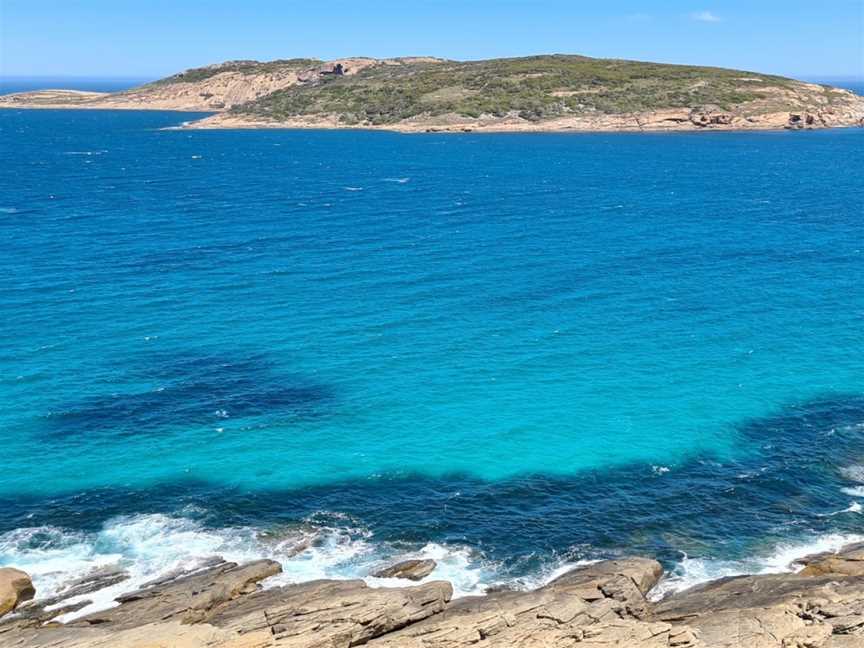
[(511, 353)]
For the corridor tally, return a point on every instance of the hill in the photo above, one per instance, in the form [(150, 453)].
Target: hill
[(549, 92)]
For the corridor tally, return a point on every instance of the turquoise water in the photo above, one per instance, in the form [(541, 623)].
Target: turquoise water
[(515, 349)]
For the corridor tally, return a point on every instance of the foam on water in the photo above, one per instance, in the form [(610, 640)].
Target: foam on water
[(690, 572), (152, 546)]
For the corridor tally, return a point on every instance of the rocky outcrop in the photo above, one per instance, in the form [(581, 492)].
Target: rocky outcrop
[(771, 611), (15, 588), (414, 570), (849, 562), (603, 604)]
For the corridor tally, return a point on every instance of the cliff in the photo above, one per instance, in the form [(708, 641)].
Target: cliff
[(537, 93), (601, 604)]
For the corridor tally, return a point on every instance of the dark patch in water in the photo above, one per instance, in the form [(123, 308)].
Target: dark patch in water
[(703, 507), (192, 390)]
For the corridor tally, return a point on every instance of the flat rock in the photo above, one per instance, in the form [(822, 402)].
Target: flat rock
[(770, 611), (414, 570), (849, 561), (601, 604), (329, 614)]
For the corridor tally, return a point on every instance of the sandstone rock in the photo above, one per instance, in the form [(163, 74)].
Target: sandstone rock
[(849, 561), (15, 588), (599, 604), (414, 570), (769, 611), (93, 581), (188, 599), (332, 613)]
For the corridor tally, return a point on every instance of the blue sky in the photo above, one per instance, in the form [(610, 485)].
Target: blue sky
[(152, 38)]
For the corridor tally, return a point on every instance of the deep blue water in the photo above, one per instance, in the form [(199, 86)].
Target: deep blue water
[(510, 352)]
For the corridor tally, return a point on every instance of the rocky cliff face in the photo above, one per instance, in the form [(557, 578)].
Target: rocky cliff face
[(214, 88), (603, 604)]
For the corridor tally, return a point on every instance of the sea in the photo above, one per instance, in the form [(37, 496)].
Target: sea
[(512, 353)]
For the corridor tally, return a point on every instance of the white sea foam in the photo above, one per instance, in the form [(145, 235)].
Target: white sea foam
[(854, 491), (397, 180), (855, 473), (152, 546), (694, 571)]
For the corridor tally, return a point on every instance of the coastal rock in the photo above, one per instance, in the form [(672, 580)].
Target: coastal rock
[(602, 604), (707, 116), (771, 611), (331, 613), (189, 599), (414, 570), (93, 581), (849, 562), (15, 588), (599, 604)]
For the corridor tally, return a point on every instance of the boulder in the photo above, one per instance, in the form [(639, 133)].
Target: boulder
[(414, 570), (15, 588)]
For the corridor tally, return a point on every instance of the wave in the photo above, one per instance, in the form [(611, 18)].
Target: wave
[(153, 546), (690, 572), (324, 546)]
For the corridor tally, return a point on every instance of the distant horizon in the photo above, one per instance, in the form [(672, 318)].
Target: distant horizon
[(104, 39)]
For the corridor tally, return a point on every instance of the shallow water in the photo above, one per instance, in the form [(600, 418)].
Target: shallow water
[(512, 352)]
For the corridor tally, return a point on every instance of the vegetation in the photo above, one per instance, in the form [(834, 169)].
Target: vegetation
[(244, 67), (535, 88)]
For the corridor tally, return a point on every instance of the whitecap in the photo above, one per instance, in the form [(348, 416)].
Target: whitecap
[(854, 507), (353, 188), (690, 572), (854, 491), (151, 546), (397, 180), (855, 473)]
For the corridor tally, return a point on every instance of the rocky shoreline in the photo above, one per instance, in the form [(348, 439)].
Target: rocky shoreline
[(223, 605)]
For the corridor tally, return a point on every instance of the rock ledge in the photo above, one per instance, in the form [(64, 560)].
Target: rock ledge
[(602, 605)]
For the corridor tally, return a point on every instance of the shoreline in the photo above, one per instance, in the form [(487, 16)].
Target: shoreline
[(669, 120), (608, 603)]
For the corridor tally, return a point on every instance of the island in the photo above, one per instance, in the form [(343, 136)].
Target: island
[(424, 94)]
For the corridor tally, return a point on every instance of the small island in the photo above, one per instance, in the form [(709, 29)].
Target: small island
[(424, 94)]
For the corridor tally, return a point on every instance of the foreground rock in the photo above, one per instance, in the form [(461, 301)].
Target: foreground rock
[(414, 570), (601, 605), (15, 588), (778, 610)]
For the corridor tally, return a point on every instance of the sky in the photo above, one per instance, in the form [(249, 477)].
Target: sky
[(155, 38)]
